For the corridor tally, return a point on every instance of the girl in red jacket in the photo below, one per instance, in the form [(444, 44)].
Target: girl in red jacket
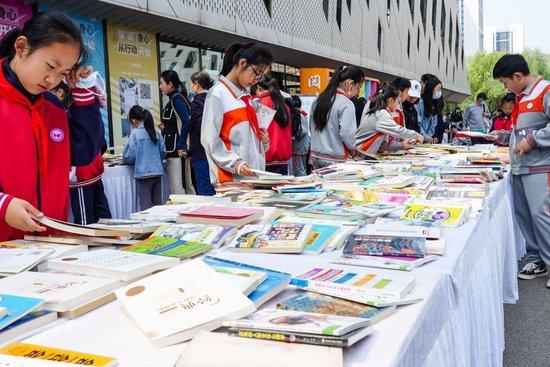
[(280, 129), (35, 154)]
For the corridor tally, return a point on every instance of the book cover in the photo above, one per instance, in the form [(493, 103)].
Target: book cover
[(31, 321), (55, 354), (320, 303), (319, 238), (207, 234), (273, 237), (17, 307), (373, 245), (244, 281), (276, 281), (57, 250), (324, 211), (298, 321), (15, 260), (221, 212), (173, 305), (385, 262), (399, 230), (447, 216), (78, 229)]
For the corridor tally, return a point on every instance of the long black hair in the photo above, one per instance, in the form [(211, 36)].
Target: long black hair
[(431, 107), (45, 29), (269, 83), (141, 114), (324, 102), (254, 53), (380, 100)]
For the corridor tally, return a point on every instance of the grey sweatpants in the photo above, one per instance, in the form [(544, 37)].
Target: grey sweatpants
[(149, 192), (532, 208)]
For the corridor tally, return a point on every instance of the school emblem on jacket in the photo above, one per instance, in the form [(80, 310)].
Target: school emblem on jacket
[(529, 105), (57, 135)]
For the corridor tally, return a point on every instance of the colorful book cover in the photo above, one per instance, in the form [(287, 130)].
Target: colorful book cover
[(329, 211), (55, 354), (284, 237), (17, 307), (320, 303), (359, 244), (222, 212), (276, 281), (319, 238), (153, 245), (447, 216)]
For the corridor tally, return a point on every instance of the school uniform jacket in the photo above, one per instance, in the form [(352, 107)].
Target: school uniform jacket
[(280, 139), (230, 133)]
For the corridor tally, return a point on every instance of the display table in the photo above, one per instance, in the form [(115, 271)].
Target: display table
[(120, 190), (460, 321)]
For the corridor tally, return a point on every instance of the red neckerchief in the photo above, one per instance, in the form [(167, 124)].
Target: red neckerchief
[(515, 112), (12, 95), (250, 112), (340, 91)]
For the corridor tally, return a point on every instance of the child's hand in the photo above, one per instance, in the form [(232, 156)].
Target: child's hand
[(244, 170), (419, 138), (492, 136), (182, 153), (408, 144), (76, 74), (265, 136), (523, 148), (19, 217)]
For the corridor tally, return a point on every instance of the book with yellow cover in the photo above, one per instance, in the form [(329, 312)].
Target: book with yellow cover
[(55, 354), (448, 216)]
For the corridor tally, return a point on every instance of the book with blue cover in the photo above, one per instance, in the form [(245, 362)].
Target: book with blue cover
[(276, 281), (27, 323), (319, 238), (17, 307)]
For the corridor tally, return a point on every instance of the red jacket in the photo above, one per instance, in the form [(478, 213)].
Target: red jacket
[(502, 122), (280, 145), (34, 155)]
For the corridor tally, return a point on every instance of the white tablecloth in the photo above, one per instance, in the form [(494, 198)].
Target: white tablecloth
[(120, 190), (458, 323)]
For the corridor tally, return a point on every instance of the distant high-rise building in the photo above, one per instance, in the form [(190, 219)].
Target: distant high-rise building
[(471, 25), (506, 39)]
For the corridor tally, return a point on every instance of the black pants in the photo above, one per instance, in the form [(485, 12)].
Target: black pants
[(89, 203), (278, 168), (149, 191)]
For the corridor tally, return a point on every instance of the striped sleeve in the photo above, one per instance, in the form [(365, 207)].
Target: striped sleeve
[(83, 97), (5, 200)]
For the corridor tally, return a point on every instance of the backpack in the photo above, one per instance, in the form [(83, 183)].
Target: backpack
[(296, 120)]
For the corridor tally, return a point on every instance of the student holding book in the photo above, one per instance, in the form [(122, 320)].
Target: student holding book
[(146, 151), (36, 153), (530, 159), (333, 121), (280, 129), (379, 131), (230, 133)]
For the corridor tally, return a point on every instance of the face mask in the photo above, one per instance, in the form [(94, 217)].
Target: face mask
[(89, 82), (191, 95), (437, 95)]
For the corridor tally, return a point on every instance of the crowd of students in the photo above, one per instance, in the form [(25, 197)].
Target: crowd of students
[(53, 135)]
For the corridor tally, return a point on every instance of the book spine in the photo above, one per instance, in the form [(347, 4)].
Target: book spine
[(319, 286), (288, 337)]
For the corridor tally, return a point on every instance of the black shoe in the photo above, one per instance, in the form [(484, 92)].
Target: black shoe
[(533, 270)]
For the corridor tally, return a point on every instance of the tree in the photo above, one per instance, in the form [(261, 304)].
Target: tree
[(480, 74)]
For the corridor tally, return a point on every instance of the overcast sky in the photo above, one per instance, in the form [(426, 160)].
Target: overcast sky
[(534, 14)]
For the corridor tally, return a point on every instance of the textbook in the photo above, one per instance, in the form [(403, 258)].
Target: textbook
[(396, 182), (61, 292), (172, 306), (320, 303), (320, 237), (273, 238), (390, 228), (328, 212), (163, 213), (128, 226), (275, 283), (246, 281), (373, 245), (214, 235), (26, 324), (14, 260), (298, 321), (54, 354), (220, 215), (58, 250), (17, 307), (115, 264), (447, 216), (77, 229), (165, 246), (13, 361), (385, 262)]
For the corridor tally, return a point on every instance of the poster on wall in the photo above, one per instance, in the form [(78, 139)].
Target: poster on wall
[(92, 34), (133, 76), (13, 14)]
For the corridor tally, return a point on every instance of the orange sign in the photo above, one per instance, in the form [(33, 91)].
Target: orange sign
[(314, 80)]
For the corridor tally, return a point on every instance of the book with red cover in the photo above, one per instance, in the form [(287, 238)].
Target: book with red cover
[(216, 214)]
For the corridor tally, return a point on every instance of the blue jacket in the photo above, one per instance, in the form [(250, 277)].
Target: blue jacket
[(427, 124), (144, 154)]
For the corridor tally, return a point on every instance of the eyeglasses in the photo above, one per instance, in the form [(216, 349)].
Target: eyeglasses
[(257, 75)]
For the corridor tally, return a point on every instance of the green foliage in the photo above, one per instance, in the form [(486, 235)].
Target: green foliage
[(480, 74)]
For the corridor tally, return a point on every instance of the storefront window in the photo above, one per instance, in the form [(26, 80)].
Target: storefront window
[(182, 59), (212, 62)]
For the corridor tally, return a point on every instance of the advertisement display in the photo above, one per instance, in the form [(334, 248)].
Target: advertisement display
[(13, 14), (133, 76)]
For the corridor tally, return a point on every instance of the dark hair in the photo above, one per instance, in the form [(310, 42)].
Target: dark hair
[(431, 107), (509, 64), (296, 101), (481, 95), (269, 83), (325, 100), (45, 29), (203, 79), (425, 77), (141, 114), (508, 97), (65, 88), (380, 100), (172, 77), (401, 83), (254, 53)]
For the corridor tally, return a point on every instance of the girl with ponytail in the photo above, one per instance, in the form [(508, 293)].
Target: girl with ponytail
[(333, 122), (379, 131), (36, 154), (230, 134), (146, 151)]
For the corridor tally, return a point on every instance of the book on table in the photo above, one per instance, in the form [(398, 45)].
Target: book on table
[(57, 249), (14, 361), (17, 307), (115, 264), (298, 321), (214, 235), (275, 283), (174, 305), (27, 324), (447, 214), (245, 280), (127, 225), (385, 262), (220, 215), (61, 292), (359, 244), (165, 246), (239, 352), (328, 212), (14, 260), (78, 229), (274, 237), (399, 229), (44, 353), (163, 213)]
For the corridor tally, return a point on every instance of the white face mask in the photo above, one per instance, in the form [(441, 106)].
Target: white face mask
[(437, 95), (90, 82)]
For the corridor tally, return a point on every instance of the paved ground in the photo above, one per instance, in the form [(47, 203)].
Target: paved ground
[(527, 326)]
